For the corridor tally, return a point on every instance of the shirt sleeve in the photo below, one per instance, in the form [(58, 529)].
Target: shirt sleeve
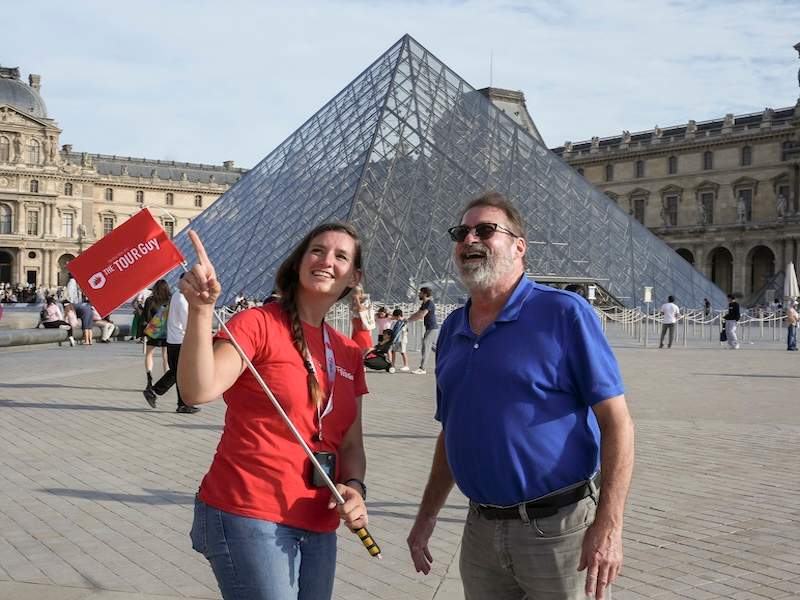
[(592, 365), (249, 328), (359, 379)]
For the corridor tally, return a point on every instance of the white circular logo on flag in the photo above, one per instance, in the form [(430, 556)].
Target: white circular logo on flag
[(97, 281)]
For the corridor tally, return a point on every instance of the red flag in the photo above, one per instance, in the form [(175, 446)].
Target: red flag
[(125, 261)]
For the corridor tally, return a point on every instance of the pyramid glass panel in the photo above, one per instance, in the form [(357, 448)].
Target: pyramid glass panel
[(397, 153)]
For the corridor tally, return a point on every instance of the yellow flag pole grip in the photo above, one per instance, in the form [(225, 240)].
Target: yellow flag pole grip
[(370, 544)]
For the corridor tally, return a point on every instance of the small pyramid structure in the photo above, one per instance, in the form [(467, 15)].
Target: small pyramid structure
[(397, 153)]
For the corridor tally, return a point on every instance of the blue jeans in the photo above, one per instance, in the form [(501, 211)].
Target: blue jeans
[(260, 560), (792, 338)]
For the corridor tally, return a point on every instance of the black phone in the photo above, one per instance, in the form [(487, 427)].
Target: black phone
[(327, 460)]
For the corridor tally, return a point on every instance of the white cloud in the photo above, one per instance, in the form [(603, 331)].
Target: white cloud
[(210, 81)]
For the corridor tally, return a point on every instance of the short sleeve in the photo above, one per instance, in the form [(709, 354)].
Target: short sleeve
[(249, 328), (592, 365), (359, 379)]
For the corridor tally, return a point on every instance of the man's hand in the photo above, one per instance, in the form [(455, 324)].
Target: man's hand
[(601, 556), (418, 543), (353, 512)]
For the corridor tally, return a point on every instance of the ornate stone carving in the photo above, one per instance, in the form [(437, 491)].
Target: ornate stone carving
[(45, 150), (741, 211), (780, 205), (17, 143), (124, 172), (626, 136)]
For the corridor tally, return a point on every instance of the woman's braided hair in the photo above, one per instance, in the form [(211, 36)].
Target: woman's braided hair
[(287, 281)]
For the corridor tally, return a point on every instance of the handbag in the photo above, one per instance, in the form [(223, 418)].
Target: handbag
[(156, 328)]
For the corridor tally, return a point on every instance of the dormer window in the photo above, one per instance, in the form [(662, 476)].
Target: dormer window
[(198, 201), (5, 149), (140, 196), (639, 169), (672, 165), (34, 186), (68, 189), (708, 160), (109, 195), (170, 198), (609, 172)]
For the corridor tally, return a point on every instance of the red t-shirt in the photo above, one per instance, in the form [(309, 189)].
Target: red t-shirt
[(259, 469)]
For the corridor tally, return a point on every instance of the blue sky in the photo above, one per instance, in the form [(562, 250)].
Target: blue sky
[(206, 81)]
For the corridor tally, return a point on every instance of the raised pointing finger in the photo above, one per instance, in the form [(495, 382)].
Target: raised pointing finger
[(202, 257)]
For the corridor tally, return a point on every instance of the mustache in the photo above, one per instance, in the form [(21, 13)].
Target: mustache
[(476, 248)]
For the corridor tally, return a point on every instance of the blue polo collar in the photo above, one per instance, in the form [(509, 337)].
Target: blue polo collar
[(510, 311)]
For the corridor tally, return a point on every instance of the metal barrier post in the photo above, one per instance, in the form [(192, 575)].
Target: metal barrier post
[(685, 327)]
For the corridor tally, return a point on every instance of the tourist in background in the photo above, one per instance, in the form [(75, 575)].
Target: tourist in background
[(155, 331), (361, 317), (791, 325), (731, 319), (53, 318), (426, 314), (669, 316)]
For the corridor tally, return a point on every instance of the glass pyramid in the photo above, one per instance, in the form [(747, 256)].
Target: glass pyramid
[(397, 153)]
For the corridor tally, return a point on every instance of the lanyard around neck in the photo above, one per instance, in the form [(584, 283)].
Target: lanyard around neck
[(330, 364)]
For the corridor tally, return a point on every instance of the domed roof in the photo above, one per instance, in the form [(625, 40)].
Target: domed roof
[(19, 95)]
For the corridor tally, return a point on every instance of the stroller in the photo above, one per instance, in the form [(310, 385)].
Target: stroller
[(377, 358)]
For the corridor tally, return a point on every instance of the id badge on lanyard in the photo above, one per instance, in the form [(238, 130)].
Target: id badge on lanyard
[(330, 365)]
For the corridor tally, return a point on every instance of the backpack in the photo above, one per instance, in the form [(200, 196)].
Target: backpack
[(156, 328)]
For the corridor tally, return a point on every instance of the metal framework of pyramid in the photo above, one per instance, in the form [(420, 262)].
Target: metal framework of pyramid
[(397, 153)]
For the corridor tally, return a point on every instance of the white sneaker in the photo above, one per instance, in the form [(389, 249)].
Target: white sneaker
[(420, 372), (405, 368), (72, 342)]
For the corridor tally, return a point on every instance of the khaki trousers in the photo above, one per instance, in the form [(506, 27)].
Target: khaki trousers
[(526, 559)]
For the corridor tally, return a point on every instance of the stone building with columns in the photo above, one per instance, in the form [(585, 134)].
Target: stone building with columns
[(724, 193), (55, 202)]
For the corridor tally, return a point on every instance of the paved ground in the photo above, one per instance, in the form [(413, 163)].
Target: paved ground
[(96, 489)]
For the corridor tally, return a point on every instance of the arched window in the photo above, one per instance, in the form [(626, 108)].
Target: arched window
[(708, 160), (5, 219), (33, 149), (609, 172), (139, 196), (747, 156), (639, 169), (672, 165), (109, 194), (5, 149), (198, 201), (170, 198), (68, 189), (34, 185)]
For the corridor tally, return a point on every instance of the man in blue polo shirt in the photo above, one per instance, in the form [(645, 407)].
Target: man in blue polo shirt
[(531, 403)]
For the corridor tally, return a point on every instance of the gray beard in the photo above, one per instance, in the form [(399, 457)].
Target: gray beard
[(485, 274)]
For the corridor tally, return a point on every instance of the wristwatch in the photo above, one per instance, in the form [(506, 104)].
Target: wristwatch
[(361, 483)]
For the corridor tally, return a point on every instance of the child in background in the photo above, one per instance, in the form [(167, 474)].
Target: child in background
[(400, 336)]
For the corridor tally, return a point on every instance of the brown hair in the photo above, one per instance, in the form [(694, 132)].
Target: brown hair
[(161, 292), (498, 200), (288, 281)]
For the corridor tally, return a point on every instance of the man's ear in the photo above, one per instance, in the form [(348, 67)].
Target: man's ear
[(522, 246)]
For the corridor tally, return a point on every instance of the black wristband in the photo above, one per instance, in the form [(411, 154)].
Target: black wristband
[(361, 483)]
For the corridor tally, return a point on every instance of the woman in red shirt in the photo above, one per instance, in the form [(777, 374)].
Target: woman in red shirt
[(266, 529)]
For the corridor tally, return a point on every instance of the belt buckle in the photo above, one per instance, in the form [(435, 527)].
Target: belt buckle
[(540, 512)]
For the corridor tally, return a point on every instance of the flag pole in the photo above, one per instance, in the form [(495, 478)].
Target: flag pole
[(362, 533)]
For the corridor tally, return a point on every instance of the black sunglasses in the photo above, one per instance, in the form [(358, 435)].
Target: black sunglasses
[(483, 230)]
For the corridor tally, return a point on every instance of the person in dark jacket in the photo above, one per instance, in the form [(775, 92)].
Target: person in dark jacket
[(732, 321)]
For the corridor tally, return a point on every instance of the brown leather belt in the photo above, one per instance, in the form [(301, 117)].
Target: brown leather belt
[(537, 509)]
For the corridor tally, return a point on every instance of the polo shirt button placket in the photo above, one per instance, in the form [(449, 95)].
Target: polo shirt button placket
[(476, 346)]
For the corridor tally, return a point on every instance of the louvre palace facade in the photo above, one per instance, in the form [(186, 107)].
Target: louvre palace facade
[(55, 202), (723, 193)]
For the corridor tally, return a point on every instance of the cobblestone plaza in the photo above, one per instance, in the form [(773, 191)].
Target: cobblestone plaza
[(97, 488)]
